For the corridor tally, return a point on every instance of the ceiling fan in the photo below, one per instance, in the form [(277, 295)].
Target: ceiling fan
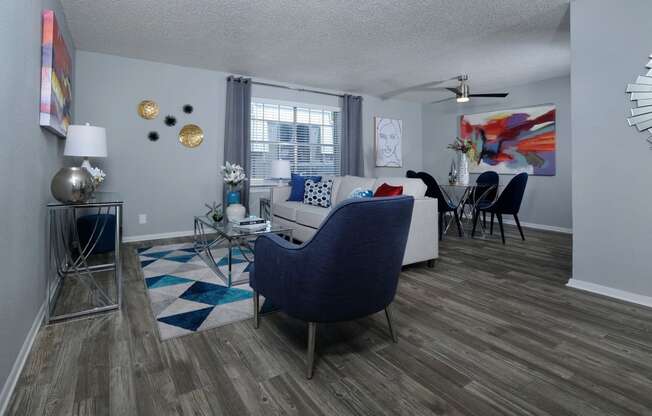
[(462, 92)]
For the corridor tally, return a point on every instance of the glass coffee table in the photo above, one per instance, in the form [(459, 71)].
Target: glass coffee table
[(234, 238)]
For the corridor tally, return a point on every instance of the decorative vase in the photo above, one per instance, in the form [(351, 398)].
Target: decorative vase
[(452, 173), (72, 185), (463, 169), (235, 212), (233, 197)]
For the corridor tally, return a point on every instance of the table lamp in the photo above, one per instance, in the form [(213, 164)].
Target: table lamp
[(85, 141), (281, 170)]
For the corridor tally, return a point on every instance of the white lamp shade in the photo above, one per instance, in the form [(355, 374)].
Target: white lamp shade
[(85, 141), (281, 169)]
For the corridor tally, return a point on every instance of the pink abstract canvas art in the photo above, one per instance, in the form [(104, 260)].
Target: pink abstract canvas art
[(56, 72)]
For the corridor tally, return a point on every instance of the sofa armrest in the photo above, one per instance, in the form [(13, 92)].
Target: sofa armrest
[(423, 239), (280, 193)]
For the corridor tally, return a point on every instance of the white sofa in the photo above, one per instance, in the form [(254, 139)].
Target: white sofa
[(422, 244)]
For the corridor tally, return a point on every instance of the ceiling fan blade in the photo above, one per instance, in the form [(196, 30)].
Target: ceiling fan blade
[(434, 89), (444, 100), (497, 95), (394, 93)]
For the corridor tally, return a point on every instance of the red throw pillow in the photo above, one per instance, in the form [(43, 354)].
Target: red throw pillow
[(388, 190)]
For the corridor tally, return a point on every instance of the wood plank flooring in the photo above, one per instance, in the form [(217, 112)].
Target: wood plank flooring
[(491, 330)]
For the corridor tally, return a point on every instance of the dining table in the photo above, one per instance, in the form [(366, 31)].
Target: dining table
[(466, 198)]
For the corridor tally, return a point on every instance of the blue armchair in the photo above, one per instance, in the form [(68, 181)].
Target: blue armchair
[(348, 270)]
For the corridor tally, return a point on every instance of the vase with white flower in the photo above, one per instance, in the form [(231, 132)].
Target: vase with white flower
[(234, 176), (463, 147)]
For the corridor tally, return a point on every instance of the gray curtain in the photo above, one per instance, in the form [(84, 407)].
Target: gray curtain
[(236, 129), (352, 157)]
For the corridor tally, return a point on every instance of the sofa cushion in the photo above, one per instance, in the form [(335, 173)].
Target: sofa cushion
[(388, 190), (298, 183), (311, 216), (349, 183), (286, 209), (412, 187), (318, 193)]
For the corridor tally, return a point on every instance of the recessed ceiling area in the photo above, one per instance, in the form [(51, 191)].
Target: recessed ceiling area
[(365, 46)]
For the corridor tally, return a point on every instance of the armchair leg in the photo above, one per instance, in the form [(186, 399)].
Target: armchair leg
[(312, 335), (502, 231), (256, 308), (388, 314)]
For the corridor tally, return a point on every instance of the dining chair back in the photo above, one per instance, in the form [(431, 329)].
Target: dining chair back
[(487, 186), (444, 205), (509, 202)]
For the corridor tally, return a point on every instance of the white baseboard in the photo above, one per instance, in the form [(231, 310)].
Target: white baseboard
[(145, 237), (611, 292), (10, 383), (540, 226)]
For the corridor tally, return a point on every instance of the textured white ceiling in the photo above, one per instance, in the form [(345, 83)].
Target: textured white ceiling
[(362, 46)]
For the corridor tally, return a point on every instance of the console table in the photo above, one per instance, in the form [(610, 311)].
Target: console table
[(89, 273)]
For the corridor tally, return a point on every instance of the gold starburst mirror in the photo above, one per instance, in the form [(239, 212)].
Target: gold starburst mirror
[(148, 109), (191, 135)]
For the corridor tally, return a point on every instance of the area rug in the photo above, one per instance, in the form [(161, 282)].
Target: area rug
[(186, 296)]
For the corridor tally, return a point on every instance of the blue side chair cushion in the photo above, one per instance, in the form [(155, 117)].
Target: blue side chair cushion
[(87, 230), (298, 184)]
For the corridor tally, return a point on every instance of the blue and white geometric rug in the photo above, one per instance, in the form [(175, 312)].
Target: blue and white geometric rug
[(186, 295)]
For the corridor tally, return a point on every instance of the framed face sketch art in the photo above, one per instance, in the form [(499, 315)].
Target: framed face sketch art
[(389, 135)]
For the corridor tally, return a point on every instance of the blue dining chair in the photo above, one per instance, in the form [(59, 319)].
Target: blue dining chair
[(444, 205), (348, 270), (509, 202), (485, 191)]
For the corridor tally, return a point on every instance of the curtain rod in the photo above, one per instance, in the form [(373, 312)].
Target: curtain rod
[(296, 89)]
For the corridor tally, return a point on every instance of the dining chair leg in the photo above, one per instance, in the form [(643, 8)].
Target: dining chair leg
[(459, 223), (256, 317), (500, 222), (484, 219), (312, 335), (441, 225), (491, 229), (476, 214), (388, 314), (518, 224)]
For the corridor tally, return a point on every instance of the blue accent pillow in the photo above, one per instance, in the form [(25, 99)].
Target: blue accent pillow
[(298, 184), (361, 193)]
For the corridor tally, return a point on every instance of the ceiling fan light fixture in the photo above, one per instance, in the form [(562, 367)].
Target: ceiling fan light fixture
[(463, 96)]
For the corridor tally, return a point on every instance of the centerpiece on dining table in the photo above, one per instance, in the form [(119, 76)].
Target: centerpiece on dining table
[(462, 147)]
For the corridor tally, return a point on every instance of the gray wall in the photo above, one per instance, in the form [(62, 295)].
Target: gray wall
[(29, 157), (612, 165), (164, 180), (548, 198)]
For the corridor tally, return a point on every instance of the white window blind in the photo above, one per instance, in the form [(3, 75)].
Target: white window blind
[(306, 135)]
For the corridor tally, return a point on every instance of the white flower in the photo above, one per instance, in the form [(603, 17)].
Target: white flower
[(233, 174), (97, 174)]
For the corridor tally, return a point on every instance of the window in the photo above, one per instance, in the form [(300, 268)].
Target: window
[(306, 135)]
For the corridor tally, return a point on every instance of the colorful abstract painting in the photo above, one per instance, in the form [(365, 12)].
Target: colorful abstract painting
[(56, 72), (512, 141)]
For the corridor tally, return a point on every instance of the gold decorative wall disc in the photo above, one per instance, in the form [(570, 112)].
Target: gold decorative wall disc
[(148, 109), (191, 135)]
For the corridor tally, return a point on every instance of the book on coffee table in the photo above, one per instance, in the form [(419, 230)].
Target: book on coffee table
[(251, 220)]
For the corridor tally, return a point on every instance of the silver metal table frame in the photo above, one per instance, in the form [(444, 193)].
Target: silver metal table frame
[(69, 260), (204, 244), (470, 199)]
